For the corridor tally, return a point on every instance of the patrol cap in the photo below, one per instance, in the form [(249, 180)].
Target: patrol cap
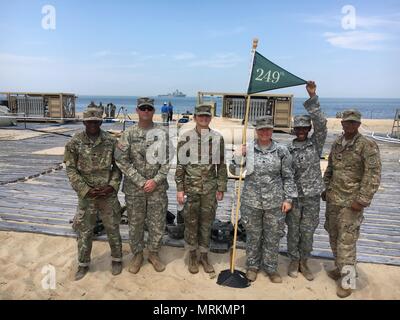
[(145, 101), (302, 121), (92, 105), (264, 122), (351, 115), (203, 109), (93, 113)]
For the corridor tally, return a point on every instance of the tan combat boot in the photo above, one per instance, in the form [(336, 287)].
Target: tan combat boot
[(81, 272), (116, 267), (275, 277), (208, 268), (334, 274), (193, 263), (251, 274), (305, 270), (342, 293), (136, 263), (293, 268), (155, 260)]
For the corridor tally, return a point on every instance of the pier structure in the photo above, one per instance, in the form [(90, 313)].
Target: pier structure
[(40, 106)]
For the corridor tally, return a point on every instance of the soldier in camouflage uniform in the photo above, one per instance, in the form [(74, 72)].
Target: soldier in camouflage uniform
[(91, 169), (142, 154), (267, 196), (201, 175), (351, 180), (303, 219)]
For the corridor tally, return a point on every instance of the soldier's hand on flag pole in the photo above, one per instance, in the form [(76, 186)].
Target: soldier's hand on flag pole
[(220, 195), (311, 88)]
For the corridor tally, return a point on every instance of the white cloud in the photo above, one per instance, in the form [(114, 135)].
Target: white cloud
[(137, 55), (226, 33), (391, 21), (184, 56), (363, 22), (323, 20), (146, 57), (370, 33), (107, 53), (120, 66), (35, 43), (356, 40), (104, 53), (223, 60), (13, 58)]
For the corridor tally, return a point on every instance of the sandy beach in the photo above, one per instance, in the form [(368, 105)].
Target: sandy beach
[(23, 255)]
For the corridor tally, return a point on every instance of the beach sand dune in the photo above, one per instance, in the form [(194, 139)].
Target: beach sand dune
[(23, 256)]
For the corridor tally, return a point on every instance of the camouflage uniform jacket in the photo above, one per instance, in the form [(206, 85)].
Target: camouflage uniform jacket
[(91, 164), (353, 172), (143, 154), (195, 176), (269, 177), (306, 158)]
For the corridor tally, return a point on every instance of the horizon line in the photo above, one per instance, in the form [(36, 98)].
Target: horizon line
[(189, 96)]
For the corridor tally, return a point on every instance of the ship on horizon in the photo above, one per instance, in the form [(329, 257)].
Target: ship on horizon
[(176, 93)]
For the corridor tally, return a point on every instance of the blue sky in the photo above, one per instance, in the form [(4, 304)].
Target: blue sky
[(152, 47)]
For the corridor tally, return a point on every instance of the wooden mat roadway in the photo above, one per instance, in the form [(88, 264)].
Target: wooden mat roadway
[(46, 203)]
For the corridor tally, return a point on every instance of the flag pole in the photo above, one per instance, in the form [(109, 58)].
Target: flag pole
[(231, 277), (244, 138)]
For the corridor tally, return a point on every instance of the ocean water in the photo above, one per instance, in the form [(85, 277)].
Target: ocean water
[(369, 108)]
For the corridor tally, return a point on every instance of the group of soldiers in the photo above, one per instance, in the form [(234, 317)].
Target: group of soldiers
[(95, 162)]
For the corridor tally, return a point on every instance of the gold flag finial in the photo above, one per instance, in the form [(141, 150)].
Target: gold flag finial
[(255, 43)]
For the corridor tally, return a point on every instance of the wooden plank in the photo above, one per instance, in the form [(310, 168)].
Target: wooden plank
[(369, 232), (40, 207), (30, 219), (364, 242), (365, 249), (370, 228), (38, 214)]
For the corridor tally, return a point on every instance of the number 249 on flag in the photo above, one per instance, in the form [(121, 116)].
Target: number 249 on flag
[(268, 76)]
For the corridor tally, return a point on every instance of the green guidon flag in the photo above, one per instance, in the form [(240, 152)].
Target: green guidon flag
[(266, 75)]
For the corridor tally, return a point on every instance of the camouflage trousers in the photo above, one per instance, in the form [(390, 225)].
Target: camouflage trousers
[(165, 117), (264, 229), (343, 225), (199, 215), (149, 210), (85, 221), (302, 221)]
